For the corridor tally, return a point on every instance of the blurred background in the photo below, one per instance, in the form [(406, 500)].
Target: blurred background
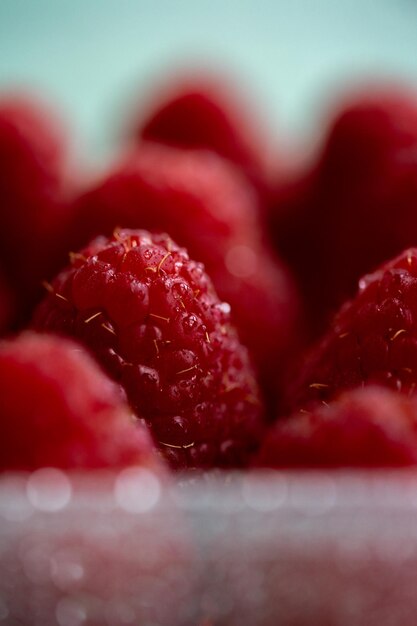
[(87, 56)]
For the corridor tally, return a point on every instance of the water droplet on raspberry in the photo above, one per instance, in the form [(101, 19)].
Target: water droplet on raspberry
[(181, 291), (190, 322), (363, 284), (224, 307)]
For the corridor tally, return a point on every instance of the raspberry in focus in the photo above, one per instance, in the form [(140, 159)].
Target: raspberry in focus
[(151, 317)]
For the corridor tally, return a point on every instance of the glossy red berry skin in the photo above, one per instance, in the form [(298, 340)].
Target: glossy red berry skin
[(151, 317)]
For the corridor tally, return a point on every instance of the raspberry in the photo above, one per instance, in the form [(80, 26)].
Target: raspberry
[(362, 188), (33, 208), (152, 318), (205, 113), (196, 195), (373, 339), (368, 427), (206, 206), (59, 410)]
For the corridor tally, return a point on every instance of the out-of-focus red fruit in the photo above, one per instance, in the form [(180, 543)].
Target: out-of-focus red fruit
[(206, 112), (197, 196), (58, 409), (34, 210), (355, 207), (371, 427)]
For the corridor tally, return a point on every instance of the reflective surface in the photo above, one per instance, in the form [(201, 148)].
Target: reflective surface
[(337, 548)]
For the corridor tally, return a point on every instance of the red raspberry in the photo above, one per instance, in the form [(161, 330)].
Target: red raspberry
[(368, 427), (58, 409), (355, 207), (33, 209), (205, 205), (152, 318), (194, 195), (204, 112), (373, 339)]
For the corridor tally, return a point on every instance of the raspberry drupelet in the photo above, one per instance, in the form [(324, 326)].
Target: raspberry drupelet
[(372, 340), (152, 318), (59, 409)]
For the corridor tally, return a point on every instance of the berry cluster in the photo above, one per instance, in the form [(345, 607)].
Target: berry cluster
[(180, 307)]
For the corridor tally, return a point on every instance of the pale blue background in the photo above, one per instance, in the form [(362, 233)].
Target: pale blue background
[(88, 55)]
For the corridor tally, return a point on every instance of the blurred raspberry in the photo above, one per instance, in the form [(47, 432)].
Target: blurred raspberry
[(152, 318), (196, 195), (34, 210), (206, 112), (58, 409), (355, 207), (368, 427)]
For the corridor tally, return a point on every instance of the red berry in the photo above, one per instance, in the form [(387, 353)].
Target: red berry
[(206, 206), (368, 427), (204, 112), (355, 207), (33, 164), (152, 318), (58, 409), (372, 340), (194, 194)]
